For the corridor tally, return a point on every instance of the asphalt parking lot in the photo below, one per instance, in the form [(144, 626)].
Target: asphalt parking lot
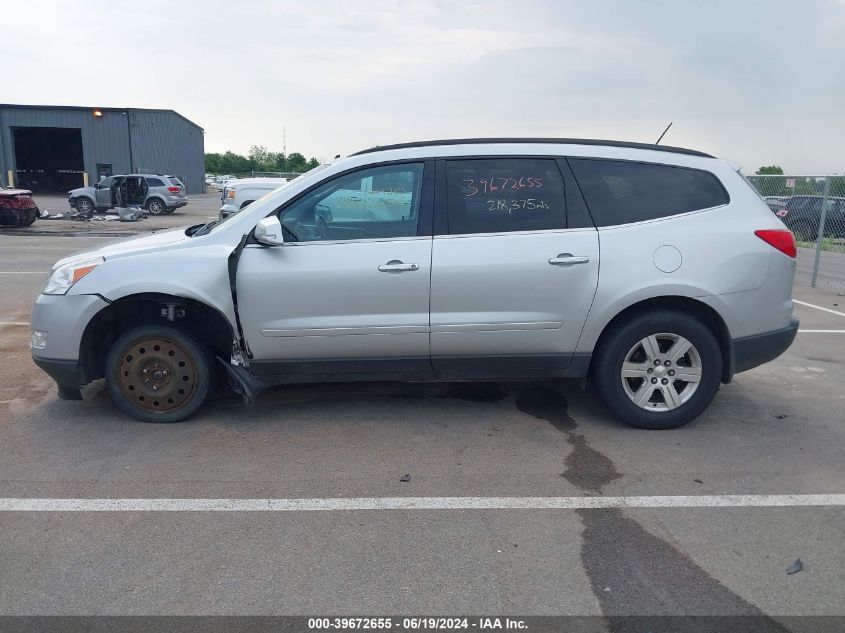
[(776, 430)]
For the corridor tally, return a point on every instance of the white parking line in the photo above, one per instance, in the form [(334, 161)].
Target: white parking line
[(13, 504), (821, 331), (2, 323), (810, 305)]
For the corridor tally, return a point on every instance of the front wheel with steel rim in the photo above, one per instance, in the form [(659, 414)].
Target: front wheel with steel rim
[(659, 369), (158, 374)]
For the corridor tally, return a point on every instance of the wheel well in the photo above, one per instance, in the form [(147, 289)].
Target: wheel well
[(206, 324), (151, 198), (694, 308)]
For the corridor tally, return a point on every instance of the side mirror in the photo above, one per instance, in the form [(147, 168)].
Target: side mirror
[(269, 231)]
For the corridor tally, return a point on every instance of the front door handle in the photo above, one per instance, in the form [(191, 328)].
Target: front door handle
[(568, 259), (396, 266)]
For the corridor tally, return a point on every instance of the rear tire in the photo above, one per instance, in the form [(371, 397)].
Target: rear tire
[(158, 373), (638, 354), (156, 206)]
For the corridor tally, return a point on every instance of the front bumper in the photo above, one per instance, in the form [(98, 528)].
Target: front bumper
[(752, 351), (66, 373), (64, 319)]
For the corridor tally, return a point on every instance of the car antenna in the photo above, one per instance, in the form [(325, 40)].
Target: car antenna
[(664, 133)]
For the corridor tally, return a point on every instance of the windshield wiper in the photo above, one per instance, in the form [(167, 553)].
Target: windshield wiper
[(205, 228)]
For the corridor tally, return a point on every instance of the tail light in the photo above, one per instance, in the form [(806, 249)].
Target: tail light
[(173, 189), (781, 239)]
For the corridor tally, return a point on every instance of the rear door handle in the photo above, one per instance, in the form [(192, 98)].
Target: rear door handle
[(568, 259), (396, 266)]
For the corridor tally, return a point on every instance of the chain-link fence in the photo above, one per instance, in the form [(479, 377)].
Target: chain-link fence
[(813, 207)]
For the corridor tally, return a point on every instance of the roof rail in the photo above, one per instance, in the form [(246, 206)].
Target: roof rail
[(561, 141)]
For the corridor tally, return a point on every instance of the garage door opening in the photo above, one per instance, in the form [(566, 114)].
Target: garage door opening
[(48, 159)]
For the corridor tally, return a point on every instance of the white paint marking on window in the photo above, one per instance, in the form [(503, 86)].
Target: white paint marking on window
[(13, 504), (810, 305)]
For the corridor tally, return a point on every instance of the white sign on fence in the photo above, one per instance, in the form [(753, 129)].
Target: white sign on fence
[(790, 182)]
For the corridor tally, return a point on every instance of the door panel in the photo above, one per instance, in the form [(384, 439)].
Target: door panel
[(510, 282), (498, 295), (330, 301)]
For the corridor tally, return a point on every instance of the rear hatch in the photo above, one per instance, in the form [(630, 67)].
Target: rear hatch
[(176, 187)]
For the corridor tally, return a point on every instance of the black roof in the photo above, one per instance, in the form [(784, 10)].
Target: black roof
[(562, 141), (19, 106)]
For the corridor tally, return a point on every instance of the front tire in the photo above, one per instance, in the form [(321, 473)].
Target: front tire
[(85, 206), (156, 206), (659, 369), (157, 373)]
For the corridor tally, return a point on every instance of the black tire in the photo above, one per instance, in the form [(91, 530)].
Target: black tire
[(84, 205), (169, 210), (622, 337), (156, 206), (179, 368)]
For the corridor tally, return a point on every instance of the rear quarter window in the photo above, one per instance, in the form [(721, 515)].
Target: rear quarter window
[(154, 182), (621, 192)]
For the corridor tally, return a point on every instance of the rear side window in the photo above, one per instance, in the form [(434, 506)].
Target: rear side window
[(504, 194), (154, 182), (619, 192)]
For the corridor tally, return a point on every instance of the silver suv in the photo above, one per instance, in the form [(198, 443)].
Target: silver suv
[(157, 193), (657, 272)]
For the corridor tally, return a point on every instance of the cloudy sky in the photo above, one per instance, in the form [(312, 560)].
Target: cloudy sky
[(757, 81)]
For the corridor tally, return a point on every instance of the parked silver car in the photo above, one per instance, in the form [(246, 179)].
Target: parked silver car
[(657, 272), (157, 193)]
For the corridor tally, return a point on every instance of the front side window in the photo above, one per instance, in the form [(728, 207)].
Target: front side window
[(504, 194), (105, 183), (621, 192), (373, 203)]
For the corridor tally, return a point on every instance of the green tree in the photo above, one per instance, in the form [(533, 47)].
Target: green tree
[(296, 162), (312, 164), (770, 170), (212, 163)]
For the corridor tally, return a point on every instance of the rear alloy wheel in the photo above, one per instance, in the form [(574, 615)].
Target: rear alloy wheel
[(158, 374), (658, 370), (156, 206), (85, 206)]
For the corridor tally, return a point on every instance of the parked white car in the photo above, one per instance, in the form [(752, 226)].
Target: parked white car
[(237, 194)]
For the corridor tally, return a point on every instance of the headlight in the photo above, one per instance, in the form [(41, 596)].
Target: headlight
[(64, 276)]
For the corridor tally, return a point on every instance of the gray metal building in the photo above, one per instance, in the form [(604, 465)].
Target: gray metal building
[(52, 149)]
